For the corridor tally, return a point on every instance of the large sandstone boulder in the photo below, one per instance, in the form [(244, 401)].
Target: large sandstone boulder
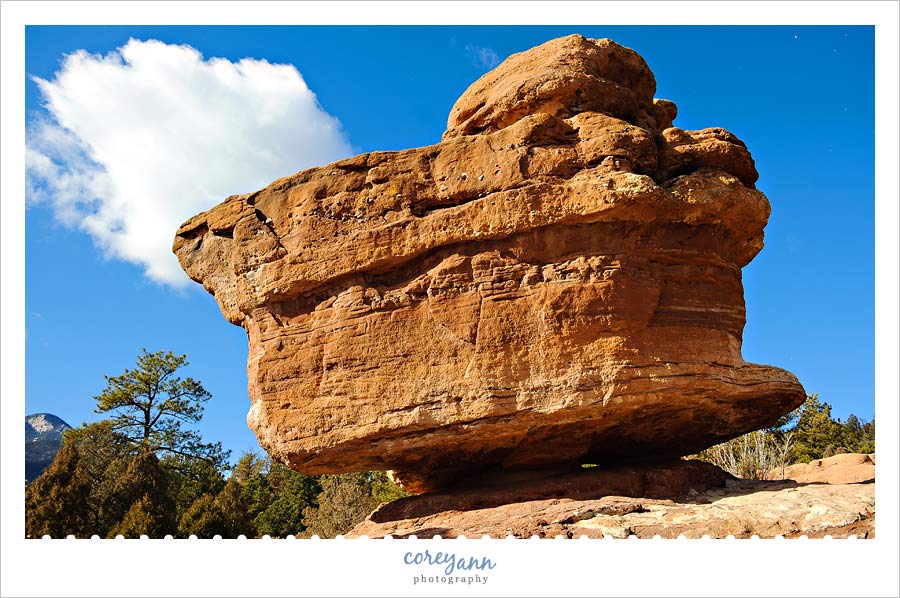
[(557, 281)]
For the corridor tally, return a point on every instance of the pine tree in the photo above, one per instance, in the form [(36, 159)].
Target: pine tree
[(189, 479), (108, 479), (816, 434), (57, 503), (203, 519), (858, 436), (150, 404), (234, 512), (144, 517), (65, 498), (131, 480), (345, 500), (250, 464), (867, 441), (284, 515)]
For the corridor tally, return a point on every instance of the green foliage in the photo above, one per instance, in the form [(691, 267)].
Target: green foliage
[(249, 465), (203, 519), (816, 434), (345, 501), (252, 473), (280, 519), (57, 503), (144, 517), (108, 478), (858, 435), (98, 445), (92, 487), (261, 497), (294, 492), (66, 498), (149, 406), (806, 434), (142, 473), (96, 488), (257, 494), (867, 441), (189, 479), (224, 514), (383, 489), (130, 480), (234, 512), (273, 496)]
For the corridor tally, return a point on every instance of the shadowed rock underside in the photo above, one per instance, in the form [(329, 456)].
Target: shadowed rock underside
[(689, 498)]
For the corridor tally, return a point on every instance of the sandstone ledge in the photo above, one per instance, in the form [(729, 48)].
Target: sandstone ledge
[(848, 468), (688, 498)]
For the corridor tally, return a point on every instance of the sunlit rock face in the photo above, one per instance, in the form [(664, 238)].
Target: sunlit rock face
[(557, 281)]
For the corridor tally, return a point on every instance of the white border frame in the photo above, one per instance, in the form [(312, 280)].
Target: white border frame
[(374, 567)]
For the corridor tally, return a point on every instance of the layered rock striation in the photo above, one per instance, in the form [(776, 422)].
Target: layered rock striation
[(557, 281)]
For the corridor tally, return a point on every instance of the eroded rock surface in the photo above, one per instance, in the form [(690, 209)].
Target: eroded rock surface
[(557, 281), (680, 498), (847, 468)]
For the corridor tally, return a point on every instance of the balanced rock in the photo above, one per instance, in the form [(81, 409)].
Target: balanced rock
[(557, 281)]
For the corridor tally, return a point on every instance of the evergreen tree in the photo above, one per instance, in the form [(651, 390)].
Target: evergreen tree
[(257, 494), (235, 516), (853, 428), (98, 446), (189, 479), (858, 436), (136, 479), (92, 487), (251, 472), (293, 493), (867, 440), (816, 434), (57, 503), (142, 473), (345, 500), (144, 517), (250, 464), (203, 519), (150, 404), (65, 498)]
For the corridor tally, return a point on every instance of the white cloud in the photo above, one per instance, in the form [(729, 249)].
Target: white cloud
[(482, 58), (139, 140)]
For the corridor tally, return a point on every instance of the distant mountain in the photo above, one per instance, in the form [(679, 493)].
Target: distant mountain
[(43, 437)]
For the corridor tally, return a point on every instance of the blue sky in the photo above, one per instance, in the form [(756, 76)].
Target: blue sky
[(802, 98)]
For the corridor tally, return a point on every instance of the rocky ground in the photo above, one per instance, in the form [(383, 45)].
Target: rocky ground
[(834, 496), (839, 469)]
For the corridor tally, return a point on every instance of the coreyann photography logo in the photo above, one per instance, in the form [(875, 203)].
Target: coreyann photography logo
[(447, 568)]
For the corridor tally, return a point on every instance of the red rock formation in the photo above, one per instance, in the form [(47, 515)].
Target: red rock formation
[(666, 499), (847, 468), (557, 281)]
